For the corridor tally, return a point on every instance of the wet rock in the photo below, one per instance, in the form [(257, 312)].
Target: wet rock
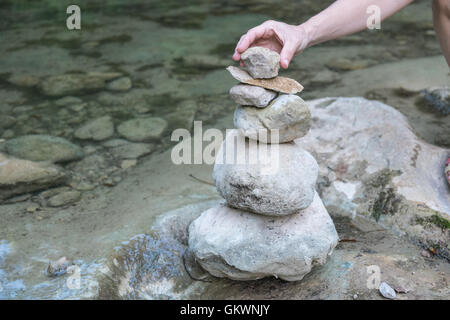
[(114, 143), (7, 122), (280, 182), (344, 64), (244, 246), (142, 129), (121, 84), (58, 267), (68, 101), (8, 134), (43, 148), (288, 114), (82, 186), (98, 129), (129, 163), (64, 198), (24, 80), (395, 178), (131, 150), (279, 84), (386, 291), (21, 176), (183, 116), (248, 95), (324, 77), (261, 63), (74, 83)]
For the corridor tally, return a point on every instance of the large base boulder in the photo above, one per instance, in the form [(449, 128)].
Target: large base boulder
[(244, 246), (280, 180)]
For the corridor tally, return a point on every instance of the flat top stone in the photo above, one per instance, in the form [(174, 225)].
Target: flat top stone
[(279, 84)]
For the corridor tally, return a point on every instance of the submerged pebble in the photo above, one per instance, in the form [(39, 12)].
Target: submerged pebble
[(121, 84), (64, 198), (43, 148), (141, 129), (98, 129)]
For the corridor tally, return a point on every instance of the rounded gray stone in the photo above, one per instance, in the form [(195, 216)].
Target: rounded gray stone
[(279, 182), (243, 246), (98, 129)]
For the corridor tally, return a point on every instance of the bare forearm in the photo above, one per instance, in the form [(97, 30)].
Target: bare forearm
[(441, 17), (345, 17)]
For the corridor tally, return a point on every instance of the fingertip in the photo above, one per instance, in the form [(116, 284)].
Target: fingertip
[(284, 63), (236, 56)]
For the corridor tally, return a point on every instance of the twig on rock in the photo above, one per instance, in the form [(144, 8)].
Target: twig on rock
[(201, 180)]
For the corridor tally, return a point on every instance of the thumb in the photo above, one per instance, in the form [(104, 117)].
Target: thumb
[(287, 53)]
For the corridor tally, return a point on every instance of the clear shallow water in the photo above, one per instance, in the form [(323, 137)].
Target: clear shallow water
[(174, 53)]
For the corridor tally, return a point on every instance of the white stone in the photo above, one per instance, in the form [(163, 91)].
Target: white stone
[(142, 129), (278, 182), (244, 246)]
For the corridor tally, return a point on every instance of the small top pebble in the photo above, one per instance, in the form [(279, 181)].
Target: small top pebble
[(261, 63)]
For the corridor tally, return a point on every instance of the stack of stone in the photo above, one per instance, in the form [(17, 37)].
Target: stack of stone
[(273, 222)]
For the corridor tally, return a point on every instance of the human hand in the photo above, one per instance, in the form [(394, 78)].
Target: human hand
[(288, 40)]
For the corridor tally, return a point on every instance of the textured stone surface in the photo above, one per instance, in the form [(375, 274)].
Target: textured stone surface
[(261, 63), (248, 95), (279, 84), (279, 182), (21, 176), (43, 148), (141, 129), (244, 246), (288, 114), (98, 129), (372, 164)]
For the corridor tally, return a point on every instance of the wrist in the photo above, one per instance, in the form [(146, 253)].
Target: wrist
[(307, 32)]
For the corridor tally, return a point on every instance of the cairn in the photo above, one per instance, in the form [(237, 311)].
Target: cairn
[(273, 223)]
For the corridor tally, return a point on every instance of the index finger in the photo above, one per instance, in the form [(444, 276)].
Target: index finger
[(251, 36)]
